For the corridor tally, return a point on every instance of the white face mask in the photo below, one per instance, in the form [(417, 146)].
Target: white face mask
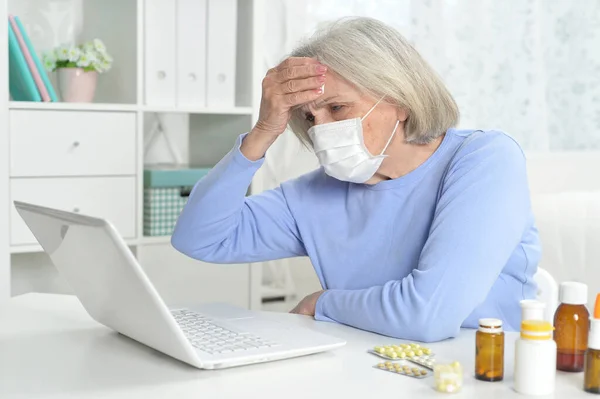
[(340, 148)]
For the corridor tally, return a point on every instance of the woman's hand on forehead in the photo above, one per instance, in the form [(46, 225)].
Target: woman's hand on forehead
[(296, 81)]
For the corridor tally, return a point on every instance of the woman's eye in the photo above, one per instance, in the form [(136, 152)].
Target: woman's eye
[(310, 118), (336, 108)]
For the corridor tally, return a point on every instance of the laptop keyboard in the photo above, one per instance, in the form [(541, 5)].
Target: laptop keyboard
[(209, 337)]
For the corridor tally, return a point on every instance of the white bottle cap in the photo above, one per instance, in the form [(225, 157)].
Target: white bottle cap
[(594, 337), (573, 293), (490, 325), (532, 309)]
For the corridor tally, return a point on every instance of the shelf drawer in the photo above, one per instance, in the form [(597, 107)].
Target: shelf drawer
[(112, 198), (72, 143)]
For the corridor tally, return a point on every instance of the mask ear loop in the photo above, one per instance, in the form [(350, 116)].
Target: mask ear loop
[(391, 137), (371, 110)]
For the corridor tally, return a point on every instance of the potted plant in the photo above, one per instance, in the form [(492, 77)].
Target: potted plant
[(78, 67)]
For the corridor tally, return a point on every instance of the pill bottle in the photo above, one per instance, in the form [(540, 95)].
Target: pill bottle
[(489, 350), (591, 372), (571, 323), (535, 359), (532, 309)]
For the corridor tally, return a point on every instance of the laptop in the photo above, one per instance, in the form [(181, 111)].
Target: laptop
[(115, 291)]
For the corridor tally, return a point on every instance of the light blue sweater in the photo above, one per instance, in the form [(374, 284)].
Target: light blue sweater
[(415, 257)]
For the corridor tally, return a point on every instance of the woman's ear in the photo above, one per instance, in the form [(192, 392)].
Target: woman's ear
[(402, 114)]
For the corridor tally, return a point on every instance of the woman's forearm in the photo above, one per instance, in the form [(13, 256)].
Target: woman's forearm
[(220, 224), (256, 144)]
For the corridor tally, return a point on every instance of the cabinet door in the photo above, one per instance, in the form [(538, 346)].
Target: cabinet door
[(159, 52), (72, 143), (191, 53), (222, 31), (111, 198)]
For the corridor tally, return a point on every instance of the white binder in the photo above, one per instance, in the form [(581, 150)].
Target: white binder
[(221, 50), (191, 53), (160, 52)]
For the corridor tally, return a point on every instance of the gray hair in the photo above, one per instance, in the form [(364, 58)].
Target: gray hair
[(379, 61)]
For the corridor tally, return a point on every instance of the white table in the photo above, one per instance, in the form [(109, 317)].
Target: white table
[(51, 348)]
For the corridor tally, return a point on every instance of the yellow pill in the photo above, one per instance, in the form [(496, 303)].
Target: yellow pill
[(379, 350), (415, 370), (415, 346), (423, 372), (387, 347), (427, 351), (393, 355), (419, 352), (402, 355), (405, 346), (410, 354), (381, 365), (455, 365), (396, 347), (406, 368), (388, 364), (397, 367)]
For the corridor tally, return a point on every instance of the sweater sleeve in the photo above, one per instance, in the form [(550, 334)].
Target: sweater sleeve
[(219, 224), (481, 215)]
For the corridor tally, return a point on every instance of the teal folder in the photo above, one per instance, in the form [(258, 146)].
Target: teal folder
[(36, 60), (173, 176), (21, 84)]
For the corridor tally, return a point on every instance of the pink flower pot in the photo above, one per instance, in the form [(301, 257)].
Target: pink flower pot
[(76, 85)]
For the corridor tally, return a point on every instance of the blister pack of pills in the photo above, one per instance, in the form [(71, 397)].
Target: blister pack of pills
[(425, 361), (403, 368), (402, 351)]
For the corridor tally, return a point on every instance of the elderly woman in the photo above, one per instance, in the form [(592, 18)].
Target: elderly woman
[(415, 228)]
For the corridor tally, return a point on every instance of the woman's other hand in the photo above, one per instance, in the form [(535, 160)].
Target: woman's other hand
[(296, 81), (308, 305)]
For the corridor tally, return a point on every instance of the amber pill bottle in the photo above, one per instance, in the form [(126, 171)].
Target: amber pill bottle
[(571, 327), (489, 350), (591, 375)]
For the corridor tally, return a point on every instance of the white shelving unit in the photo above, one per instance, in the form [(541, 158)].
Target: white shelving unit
[(210, 111), (5, 258), (72, 106), (203, 135), (128, 108)]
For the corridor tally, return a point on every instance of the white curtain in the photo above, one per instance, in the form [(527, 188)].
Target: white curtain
[(528, 67)]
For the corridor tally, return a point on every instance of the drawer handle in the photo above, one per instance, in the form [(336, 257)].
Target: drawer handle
[(75, 210), (76, 144)]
